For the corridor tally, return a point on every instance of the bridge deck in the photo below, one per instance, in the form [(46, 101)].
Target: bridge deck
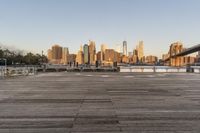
[(188, 51), (100, 102)]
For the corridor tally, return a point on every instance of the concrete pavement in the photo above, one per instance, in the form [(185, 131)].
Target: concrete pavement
[(101, 102)]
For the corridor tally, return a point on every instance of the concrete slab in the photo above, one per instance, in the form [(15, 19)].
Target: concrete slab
[(101, 103)]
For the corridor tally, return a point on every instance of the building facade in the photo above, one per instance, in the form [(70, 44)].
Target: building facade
[(99, 56), (65, 55), (140, 51), (80, 57), (72, 58), (56, 52), (125, 48), (92, 52), (110, 55), (86, 54), (103, 49), (151, 59)]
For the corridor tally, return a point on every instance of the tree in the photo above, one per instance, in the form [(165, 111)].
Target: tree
[(1, 53), (16, 57)]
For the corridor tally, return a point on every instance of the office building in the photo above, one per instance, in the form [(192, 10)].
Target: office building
[(72, 58), (110, 55), (125, 59), (86, 54), (92, 52), (65, 55), (103, 48), (151, 59), (56, 52), (80, 56), (140, 51), (125, 48), (99, 56)]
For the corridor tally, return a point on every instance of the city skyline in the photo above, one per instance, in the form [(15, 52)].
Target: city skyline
[(88, 55), (35, 25)]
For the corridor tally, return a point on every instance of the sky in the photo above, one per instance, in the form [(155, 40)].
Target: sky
[(36, 25)]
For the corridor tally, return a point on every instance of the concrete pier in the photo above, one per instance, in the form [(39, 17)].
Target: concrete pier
[(101, 102)]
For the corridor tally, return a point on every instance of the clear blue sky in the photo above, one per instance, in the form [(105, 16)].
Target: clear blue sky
[(37, 24)]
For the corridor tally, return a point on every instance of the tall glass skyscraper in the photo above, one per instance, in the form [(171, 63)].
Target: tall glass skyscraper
[(86, 54), (140, 50), (125, 48), (103, 49), (92, 52), (65, 54)]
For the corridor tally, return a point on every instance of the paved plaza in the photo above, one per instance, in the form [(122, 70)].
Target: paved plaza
[(101, 102)]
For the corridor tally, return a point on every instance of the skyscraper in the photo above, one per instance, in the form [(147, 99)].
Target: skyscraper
[(99, 58), (79, 57), (135, 56), (151, 59), (86, 54), (140, 50), (56, 52), (103, 49), (125, 48), (92, 52), (72, 58), (65, 55), (110, 55)]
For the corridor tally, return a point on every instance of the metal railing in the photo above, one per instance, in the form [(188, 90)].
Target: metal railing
[(11, 71), (3, 68)]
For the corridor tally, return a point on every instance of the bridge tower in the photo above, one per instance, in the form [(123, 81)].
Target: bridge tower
[(176, 48)]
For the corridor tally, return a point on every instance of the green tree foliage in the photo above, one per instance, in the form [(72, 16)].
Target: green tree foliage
[(16, 58), (1, 53)]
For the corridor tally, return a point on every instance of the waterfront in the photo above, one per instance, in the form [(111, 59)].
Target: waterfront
[(101, 102)]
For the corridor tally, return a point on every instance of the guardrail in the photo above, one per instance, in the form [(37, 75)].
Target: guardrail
[(2, 71), (17, 71), (195, 69), (164, 69)]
